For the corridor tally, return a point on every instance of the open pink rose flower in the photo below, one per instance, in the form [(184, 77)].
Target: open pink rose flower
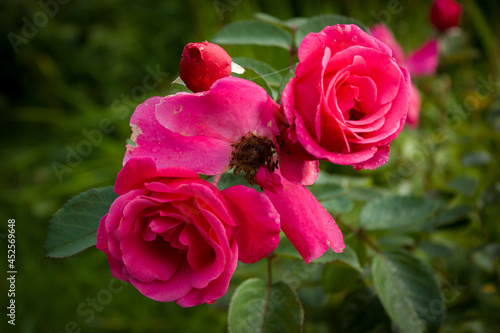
[(176, 237), (348, 100), (421, 62), (232, 126)]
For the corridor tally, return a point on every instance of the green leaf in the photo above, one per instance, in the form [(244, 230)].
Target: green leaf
[(255, 77), (464, 184), (178, 86), (339, 278), (348, 256), (257, 308), (264, 70), (284, 82), (408, 291), (450, 216), (73, 228), (395, 211), (269, 19), (361, 312), (338, 205), (318, 23), (476, 158), (229, 179), (253, 33)]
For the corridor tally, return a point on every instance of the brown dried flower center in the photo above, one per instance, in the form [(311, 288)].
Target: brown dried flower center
[(250, 153)]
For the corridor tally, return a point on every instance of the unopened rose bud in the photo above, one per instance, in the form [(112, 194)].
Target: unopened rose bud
[(445, 14), (202, 64)]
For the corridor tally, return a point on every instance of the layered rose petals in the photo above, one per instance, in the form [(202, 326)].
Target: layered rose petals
[(348, 100), (421, 62), (176, 237)]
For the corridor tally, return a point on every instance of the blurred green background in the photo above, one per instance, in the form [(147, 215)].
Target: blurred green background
[(85, 65)]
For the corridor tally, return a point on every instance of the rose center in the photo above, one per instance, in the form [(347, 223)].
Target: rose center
[(355, 114), (250, 153)]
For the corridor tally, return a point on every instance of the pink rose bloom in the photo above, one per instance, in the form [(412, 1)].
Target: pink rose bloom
[(232, 126), (421, 62), (348, 100), (445, 14), (202, 64), (176, 237)]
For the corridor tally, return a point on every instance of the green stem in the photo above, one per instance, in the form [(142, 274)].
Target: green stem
[(269, 270)]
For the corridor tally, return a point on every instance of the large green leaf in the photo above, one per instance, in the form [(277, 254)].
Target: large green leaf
[(339, 278), (450, 216), (253, 33), (361, 312), (73, 228), (318, 23), (408, 291), (395, 211), (256, 307)]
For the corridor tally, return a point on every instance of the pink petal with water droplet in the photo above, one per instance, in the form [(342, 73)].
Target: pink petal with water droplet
[(305, 222), (199, 153)]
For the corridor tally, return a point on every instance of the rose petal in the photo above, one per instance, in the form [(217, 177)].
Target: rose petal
[(200, 253), (414, 110), (102, 242), (230, 109), (321, 153), (306, 223), (148, 261), (269, 180), (424, 61), (384, 34), (257, 222), (298, 171), (167, 291), (199, 189), (395, 117), (380, 157), (200, 154), (216, 288)]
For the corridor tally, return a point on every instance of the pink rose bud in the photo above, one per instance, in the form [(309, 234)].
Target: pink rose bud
[(445, 14), (202, 64)]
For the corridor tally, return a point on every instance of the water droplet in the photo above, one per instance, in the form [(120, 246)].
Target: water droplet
[(178, 109), (200, 127)]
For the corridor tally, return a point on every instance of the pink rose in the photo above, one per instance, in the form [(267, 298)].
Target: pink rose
[(445, 14), (232, 126), (176, 237), (202, 64), (421, 62), (348, 100)]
